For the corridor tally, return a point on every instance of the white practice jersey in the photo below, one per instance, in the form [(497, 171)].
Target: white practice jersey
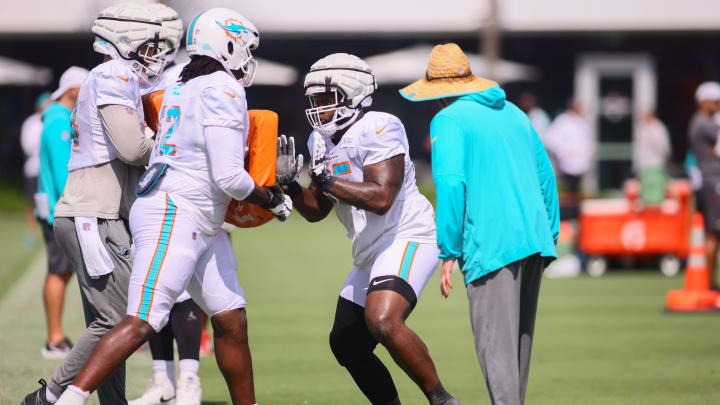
[(376, 137), (168, 79), (112, 82), (212, 100)]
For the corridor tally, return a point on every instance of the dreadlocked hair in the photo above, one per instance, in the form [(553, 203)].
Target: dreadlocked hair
[(200, 65)]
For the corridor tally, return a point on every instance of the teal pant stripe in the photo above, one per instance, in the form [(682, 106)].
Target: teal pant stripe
[(407, 260), (157, 260)]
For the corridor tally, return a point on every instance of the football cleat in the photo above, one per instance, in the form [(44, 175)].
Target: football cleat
[(37, 397), (189, 391), (160, 392)]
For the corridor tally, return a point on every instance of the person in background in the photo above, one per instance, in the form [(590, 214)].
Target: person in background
[(497, 213), (569, 140), (703, 136), (30, 142), (54, 158), (651, 151), (109, 150), (538, 117)]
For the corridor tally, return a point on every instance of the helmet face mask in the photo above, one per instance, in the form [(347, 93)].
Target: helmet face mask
[(173, 26), (322, 102), (340, 82), (150, 59), (136, 36)]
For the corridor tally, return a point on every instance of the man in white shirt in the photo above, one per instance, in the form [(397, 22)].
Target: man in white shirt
[(651, 151), (569, 140)]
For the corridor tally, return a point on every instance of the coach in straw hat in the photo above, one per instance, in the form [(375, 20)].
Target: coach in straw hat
[(497, 212)]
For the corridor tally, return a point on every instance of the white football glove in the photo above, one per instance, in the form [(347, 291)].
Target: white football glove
[(318, 156), (279, 203), (288, 166)]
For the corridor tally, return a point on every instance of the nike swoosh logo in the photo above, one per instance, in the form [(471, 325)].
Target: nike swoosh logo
[(230, 94), (432, 141), (376, 282), (163, 400), (123, 78), (380, 130)]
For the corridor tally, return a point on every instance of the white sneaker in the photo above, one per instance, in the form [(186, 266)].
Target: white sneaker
[(160, 392), (189, 391)]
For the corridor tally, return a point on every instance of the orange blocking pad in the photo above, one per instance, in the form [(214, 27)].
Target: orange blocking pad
[(260, 158), (260, 162), (151, 108)]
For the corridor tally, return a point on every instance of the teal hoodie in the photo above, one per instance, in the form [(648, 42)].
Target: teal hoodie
[(496, 192), (54, 154)]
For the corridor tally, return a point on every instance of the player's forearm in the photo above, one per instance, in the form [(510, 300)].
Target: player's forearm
[(122, 126), (258, 196), (309, 202), (368, 196)]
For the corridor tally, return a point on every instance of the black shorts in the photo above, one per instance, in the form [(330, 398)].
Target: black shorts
[(711, 208), (31, 185), (58, 263)]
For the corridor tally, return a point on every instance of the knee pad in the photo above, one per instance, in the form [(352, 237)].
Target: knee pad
[(394, 283)]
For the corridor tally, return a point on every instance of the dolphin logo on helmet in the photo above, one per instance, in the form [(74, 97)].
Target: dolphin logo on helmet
[(233, 27)]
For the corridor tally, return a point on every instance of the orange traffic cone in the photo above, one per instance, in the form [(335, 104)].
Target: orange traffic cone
[(696, 294)]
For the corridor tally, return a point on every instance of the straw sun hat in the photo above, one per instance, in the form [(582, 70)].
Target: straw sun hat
[(448, 75)]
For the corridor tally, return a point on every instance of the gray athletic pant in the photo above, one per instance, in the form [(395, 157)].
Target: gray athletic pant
[(104, 303), (503, 305)]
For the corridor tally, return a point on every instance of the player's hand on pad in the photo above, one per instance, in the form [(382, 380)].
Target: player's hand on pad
[(288, 164), (279, 203)]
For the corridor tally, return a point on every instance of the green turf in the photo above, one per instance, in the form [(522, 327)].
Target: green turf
[(15, 255), (598, 341)]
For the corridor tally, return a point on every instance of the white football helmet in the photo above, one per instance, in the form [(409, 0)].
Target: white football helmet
[(349, 79), (134, 34), (172, 24), (226, 36)]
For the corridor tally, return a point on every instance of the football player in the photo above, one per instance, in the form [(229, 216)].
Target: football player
[(185, 323), (196, 168), (361, 166), (108, 152)]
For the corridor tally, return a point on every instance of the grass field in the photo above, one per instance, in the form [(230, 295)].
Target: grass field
[(15, 255), (598, 341)]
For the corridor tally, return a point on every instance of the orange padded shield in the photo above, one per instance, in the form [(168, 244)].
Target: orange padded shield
[(260, 163), (151, 108), (259, 160)]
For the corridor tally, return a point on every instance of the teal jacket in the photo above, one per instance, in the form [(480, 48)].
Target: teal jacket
[(54, 154), (496, 192)]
